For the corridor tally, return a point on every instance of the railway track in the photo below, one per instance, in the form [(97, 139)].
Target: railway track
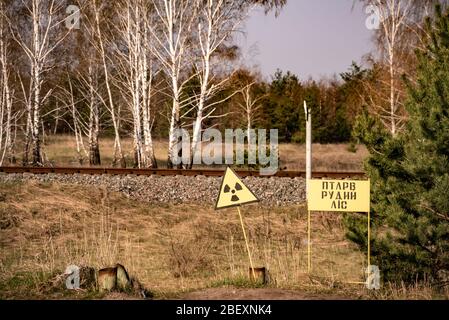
[(177, 172)]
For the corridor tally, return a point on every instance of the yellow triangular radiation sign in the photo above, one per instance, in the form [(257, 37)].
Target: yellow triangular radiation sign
[(233, 192)]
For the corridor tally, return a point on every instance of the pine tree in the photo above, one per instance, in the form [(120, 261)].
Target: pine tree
[(410, 173)]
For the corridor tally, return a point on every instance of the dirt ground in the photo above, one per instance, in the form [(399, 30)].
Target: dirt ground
[(256, 294), (240, 294)]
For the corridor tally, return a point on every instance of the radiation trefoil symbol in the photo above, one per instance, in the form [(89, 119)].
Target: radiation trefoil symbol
[(233, 192), (237, 187)]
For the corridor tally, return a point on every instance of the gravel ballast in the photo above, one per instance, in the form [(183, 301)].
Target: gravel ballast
[(176, 189)]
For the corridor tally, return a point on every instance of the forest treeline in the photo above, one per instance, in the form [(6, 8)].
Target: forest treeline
[(144, 68)]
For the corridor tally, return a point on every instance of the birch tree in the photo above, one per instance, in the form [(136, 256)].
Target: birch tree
[(94, 116), (87, 76), (135, 61), (188, 33), (77, 97), (250, 106), (98, 41), (46, 20), (172, 35), (393, 16), (77, 124), (217, 22), (400, 32), (6, 95)]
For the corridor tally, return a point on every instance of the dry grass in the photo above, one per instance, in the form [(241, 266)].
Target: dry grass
[(61, 151), (170, 248), (326, 157), (417, 291)]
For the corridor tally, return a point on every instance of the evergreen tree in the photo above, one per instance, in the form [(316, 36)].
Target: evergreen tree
[(281, 107), (410, 173)]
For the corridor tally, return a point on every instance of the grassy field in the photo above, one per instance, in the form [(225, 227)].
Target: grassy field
[(60, 150), (173, 250)]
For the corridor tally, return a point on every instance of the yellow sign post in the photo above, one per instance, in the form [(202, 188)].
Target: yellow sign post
[(233, 193), (339, 196)]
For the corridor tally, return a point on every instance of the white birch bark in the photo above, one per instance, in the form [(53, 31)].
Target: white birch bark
[(94, 118)]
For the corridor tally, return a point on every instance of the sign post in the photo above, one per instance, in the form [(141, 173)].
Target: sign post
[(308, 145), (246, 242), (309, 245), (233, 193), (308, 176), (369, 237)]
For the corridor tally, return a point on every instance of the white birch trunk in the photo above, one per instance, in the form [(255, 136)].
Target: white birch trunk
[(36, 80), (94, 120), (174, 74), (147, 78), (6, 98)]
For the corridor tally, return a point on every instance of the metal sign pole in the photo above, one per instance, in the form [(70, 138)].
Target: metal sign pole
[(247, 245), (369, 239), (309, 248), (308, 178), (308, 146)]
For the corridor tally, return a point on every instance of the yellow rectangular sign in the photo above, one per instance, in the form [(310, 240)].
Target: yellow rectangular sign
[(339, 195)]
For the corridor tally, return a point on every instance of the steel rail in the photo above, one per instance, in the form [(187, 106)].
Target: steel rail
[(177, 172)]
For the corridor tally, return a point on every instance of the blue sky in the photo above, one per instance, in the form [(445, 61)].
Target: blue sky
[(310, 38)]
